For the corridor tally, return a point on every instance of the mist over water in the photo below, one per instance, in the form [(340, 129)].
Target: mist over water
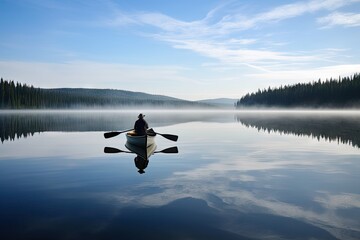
[(343, 126), (238, 175)]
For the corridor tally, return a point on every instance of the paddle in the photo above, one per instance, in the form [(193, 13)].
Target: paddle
[(113, 134), (168, 150), (116, 150), (169, 136)]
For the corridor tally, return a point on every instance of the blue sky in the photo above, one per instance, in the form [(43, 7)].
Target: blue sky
[(187, 49)]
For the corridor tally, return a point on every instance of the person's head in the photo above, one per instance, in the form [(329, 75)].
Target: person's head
[(141, 115)]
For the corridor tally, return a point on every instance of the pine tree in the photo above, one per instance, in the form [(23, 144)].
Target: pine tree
[(2, 93)]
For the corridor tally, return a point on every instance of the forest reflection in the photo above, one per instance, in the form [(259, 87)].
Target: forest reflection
[(15, 125), (343, 129)]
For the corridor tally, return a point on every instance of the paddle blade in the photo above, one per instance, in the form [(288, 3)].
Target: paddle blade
[(111, 150), (111, 134), (170, 150), (170, 137)]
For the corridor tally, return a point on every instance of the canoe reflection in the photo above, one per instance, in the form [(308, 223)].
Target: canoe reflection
[(142, 154)]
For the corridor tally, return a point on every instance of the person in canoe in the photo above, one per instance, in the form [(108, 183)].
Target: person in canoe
[(141, 125)]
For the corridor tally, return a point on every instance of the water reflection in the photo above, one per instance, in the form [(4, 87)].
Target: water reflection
[(343, 129), (18, 124), (142, 154), (229, 182)]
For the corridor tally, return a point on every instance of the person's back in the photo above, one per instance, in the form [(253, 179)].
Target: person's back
[(141, 125)]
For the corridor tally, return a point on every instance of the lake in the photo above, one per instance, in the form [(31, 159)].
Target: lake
[(237, 175)]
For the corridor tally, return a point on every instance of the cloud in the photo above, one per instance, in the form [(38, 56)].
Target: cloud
[(340, 19), (217, 22), (233, 193), (219, 34), (338, 201), (240, 22), (121, 20), (300, 8), (230, 55), (275, 78)]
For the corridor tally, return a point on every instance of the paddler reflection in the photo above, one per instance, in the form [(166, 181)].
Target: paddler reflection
[(142, 154), (141, 164)]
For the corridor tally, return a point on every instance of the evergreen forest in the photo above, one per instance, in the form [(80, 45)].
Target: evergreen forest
[(332, 93)]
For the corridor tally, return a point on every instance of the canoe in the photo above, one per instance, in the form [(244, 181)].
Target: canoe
[(143, 152), (140, 141)]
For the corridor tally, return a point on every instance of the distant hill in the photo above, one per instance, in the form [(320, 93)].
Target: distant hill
[(104, 93), (220, 102), (21, 96)]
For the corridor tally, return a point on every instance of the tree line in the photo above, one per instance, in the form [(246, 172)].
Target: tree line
[(341, 92), (20, 96)]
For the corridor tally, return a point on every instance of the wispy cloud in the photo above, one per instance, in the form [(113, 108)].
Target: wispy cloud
[(338, 201), (219, 34), (238, 22), (217, 22), (340, 19), (300, 8)]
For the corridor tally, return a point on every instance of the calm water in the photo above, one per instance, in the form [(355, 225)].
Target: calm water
[(244, 175)]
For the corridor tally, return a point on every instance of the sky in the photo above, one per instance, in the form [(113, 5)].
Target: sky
[(189, 49)]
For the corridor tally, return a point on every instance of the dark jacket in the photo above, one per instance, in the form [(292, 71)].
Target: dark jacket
[(141, 126)]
